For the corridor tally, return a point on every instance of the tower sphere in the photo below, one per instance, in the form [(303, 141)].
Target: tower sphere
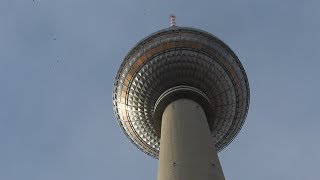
[(174, 63)]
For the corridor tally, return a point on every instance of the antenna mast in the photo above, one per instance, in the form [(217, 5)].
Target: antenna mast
[(172, 20)]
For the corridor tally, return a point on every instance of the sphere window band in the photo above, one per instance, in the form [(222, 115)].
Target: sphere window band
[(180, 57)]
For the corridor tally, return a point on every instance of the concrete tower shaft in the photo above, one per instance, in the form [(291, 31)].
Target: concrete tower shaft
[(187, 151)]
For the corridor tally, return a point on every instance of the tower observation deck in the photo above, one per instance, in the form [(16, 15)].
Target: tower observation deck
[(173, 87)]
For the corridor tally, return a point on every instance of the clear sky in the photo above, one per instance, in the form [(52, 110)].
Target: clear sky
[(58, 60)]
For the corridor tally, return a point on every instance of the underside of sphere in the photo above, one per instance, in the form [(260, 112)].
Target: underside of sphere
[(187, 59)]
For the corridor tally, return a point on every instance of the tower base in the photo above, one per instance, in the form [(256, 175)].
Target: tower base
[(187, 151)]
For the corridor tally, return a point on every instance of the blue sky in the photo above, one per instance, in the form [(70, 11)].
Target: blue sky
[(58, 60)]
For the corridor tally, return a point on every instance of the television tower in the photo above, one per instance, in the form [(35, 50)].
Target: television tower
[(181, 95)]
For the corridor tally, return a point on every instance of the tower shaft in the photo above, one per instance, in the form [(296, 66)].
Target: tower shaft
[(187, 150)]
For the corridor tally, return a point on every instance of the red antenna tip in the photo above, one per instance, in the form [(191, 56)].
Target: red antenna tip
[(172, 20)]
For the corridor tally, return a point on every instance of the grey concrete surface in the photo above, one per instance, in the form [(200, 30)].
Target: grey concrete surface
[(187, 151)]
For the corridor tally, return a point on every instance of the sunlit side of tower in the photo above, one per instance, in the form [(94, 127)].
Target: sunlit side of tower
[(181, 95)]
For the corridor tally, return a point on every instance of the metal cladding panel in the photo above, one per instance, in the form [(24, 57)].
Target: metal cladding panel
[(180, 57)]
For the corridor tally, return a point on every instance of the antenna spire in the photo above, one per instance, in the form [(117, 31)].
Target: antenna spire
[(172, 20)]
